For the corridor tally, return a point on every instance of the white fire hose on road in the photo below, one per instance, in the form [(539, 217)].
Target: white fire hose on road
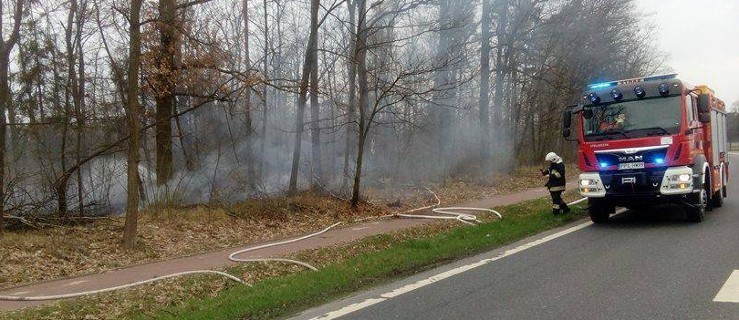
[(450, 213)]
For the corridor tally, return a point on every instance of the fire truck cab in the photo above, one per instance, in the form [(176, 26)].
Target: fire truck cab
[(648, 141)]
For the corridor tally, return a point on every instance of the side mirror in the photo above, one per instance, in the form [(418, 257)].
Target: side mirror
[(566, 119), (704, 103), (566, 132), (704, 117)]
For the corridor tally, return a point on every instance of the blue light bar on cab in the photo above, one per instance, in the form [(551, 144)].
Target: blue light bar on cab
[(630, 81), (602, 85)]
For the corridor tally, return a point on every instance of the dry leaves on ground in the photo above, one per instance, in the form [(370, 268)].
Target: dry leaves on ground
[(37, 255)]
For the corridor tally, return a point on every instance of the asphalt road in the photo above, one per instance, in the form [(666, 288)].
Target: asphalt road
[(642, 265)]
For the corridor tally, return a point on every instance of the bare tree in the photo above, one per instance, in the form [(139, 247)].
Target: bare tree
[(249, 148), (351, 122), (315, 118), (134, 124), (360, 58), (6, 46), (165, 78), (265, 101), (484, 114), (302, 98), (392, 83)]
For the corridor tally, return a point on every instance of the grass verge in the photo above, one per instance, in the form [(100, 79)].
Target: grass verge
[(280, 296)]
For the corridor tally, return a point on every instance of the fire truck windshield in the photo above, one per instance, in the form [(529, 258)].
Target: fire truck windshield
[(631, 119)]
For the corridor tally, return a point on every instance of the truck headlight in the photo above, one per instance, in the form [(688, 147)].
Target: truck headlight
[(677, 180), (591, 186)]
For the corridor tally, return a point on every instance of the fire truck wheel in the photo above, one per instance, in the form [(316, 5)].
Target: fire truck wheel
[(717, 201), (724, 191), (698, 212), (599, 213), (707, 185)]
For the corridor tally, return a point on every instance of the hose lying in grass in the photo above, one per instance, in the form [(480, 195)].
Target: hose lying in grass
[(452, 213), (85, 293), (449, 213), (231, 257)]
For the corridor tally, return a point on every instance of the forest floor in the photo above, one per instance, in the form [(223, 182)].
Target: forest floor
[(35, 255)]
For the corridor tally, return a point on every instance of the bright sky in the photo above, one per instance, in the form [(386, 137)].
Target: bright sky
[(702, 40)]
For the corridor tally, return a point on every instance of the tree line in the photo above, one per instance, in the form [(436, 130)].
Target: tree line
[(115, 104)]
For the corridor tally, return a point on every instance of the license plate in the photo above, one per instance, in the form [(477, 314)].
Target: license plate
[(631, 165)]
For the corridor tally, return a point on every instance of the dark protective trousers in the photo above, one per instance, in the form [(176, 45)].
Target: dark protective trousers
[(558, 205)]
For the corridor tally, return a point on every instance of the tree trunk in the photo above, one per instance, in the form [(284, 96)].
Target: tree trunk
[(485, 82), (6, 46), (165, 87), (361, 63), (299, 122), (351, 128), (4, 100), (248, 150), (265, 113), (70, 92), (132, 117), (443, 79), (317, 178), (79, 101), (500, 30)]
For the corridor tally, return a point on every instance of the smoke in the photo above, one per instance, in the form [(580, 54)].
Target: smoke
[(424, 66)]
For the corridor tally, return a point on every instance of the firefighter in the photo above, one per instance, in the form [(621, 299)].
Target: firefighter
[(619, 123), (556, 182)]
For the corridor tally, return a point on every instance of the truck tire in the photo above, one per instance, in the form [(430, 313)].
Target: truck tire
[(710, 196), (724, 191), (697, 212), (718, 198), (600, 212)]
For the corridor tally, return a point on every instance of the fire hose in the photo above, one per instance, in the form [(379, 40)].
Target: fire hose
[(449, 213)]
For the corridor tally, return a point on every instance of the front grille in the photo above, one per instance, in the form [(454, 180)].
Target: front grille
[(648, 156), (645, 181)]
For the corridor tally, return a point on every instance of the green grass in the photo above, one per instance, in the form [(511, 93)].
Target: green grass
[(285, 295)]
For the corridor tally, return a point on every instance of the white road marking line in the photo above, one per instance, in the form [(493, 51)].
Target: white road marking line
[(350, 308), (422, 283), (74, 283), (359, 228), (730, 291), (20, 292)]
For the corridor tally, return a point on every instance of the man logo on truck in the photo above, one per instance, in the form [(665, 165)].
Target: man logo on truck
[(630, 158)]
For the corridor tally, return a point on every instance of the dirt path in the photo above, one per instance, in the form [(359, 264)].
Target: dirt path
[(219, 259)]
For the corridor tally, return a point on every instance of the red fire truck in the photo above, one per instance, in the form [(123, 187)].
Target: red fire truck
[(649, 141)]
